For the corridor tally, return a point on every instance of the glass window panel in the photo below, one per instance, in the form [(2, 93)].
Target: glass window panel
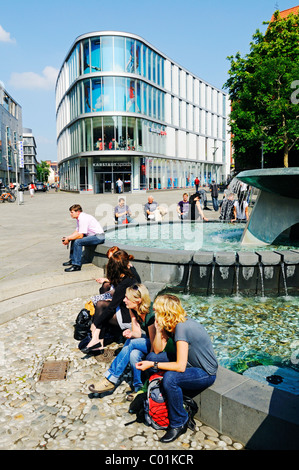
[(138, 58), (154, 66), (155, 95), (159, 60), (130, 55), (120, 132), (119, 54), (149, 64), (162, 72), (81, 59), (139, 135), (138, 99), (109, 133), (97, 104), (87, 108), (108, 94), (88, 144), (131, 133), (150, 100), (144, 60), (120, 94), (131, 95), (79, 97), (144, 98), (86, 57), (95, 45), (107, 53), (97, 133)]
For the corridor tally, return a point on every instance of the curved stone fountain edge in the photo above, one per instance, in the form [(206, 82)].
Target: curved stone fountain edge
[(258, 415)]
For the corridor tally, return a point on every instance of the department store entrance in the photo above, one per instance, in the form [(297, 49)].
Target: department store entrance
[(105, 180)]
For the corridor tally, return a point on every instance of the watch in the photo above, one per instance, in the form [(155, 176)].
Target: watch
[(155, 365)]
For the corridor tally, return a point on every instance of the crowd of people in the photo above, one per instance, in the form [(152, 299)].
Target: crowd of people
[(157, 336), (89, 232)]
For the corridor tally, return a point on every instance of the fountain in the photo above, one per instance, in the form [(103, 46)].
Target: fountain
[(258, 265)]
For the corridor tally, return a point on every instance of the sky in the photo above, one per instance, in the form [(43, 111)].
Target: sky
[(35, 37)]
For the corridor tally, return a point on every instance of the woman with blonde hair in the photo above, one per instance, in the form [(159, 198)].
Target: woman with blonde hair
[(138, 343), (195, 366)]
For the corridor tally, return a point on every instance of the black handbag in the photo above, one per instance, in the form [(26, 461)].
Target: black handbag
[(82, 324)]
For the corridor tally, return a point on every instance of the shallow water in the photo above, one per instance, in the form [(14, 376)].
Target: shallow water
[(249, 332), (214, 237)]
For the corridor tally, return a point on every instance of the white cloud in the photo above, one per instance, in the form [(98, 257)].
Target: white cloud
[(5, 36), (32, 80)]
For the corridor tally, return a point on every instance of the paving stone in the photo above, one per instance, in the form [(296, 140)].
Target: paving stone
[(59, 414)]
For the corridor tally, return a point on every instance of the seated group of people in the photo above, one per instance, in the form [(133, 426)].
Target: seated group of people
[(152, 211), (157, 337)]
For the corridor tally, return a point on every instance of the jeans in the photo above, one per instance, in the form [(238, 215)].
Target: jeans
[(193, 379), (215, 203), (76, 246), (124, 217), (133, 351)]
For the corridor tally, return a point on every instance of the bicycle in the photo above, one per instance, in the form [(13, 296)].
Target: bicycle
[(7, 196)]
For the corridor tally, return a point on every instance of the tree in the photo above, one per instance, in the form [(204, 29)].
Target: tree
[(261, 87), (43, 171)]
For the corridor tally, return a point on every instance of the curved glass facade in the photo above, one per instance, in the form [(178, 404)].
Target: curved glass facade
[(124, 109)]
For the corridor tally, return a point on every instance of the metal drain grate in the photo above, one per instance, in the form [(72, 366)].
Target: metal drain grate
[(53, 370)]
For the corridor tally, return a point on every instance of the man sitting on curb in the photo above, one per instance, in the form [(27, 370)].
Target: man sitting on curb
[(88, 232)]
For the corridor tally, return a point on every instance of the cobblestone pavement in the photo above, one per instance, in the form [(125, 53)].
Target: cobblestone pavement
[(59, 415)]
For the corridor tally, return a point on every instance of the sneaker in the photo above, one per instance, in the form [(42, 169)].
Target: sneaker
[(103, 385)]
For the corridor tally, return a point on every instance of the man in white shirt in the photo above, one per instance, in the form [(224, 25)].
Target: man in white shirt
[(88, 232)]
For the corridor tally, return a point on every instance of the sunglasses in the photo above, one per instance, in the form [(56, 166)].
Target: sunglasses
[(135, 287)]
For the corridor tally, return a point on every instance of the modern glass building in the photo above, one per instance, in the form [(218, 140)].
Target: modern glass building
[(11, 129), (125, 110)]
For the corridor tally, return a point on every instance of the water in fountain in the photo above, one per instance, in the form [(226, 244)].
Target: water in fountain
[(252, 335)]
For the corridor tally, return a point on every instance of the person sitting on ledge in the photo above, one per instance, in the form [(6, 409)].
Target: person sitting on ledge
[(138, 343), (121, 275), (195, 366), (89, 232)]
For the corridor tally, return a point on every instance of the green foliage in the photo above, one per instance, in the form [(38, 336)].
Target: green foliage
[(43, 171), (260, 88)]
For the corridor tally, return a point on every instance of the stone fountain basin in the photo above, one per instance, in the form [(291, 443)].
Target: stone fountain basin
[(260, 416)]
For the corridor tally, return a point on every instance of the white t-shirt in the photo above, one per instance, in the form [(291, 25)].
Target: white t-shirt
[(88, 225), (241, 215)]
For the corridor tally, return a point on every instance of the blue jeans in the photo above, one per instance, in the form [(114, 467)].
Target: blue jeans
[(215, 203), (193, 379), (134, 350), (76, 246), (124, 217)]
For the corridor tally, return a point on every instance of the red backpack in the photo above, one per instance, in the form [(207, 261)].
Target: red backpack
[(155, 405)]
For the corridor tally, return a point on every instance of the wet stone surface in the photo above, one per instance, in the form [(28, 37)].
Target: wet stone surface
[(59, 415)]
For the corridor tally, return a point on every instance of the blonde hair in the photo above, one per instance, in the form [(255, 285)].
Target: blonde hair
[(137, 292), (169, 311)]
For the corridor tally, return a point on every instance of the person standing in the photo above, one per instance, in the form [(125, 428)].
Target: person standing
[(119, 185), (183, 207), (32, 188), (214, 193), (196, 182), (88, 232)]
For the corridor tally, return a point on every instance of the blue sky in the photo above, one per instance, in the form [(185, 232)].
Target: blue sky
[(35, 37)]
